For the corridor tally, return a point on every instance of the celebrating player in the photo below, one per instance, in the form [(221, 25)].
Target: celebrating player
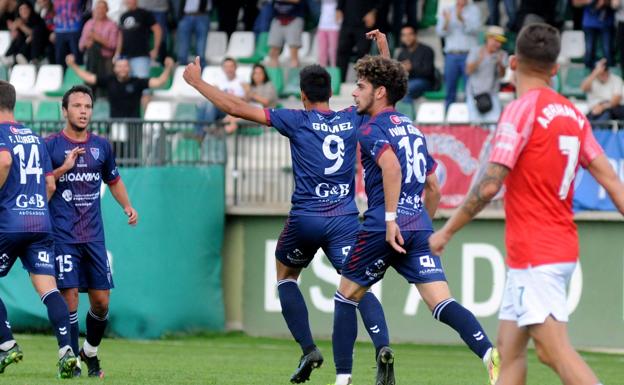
[(540, 141), (323, 213), (26, 185), (397, 224), (81, 161)]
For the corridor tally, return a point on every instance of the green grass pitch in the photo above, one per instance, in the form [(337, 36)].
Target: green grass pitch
[(236, 359)]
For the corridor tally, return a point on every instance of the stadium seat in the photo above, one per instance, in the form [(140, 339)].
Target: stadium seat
[(49, 78), (406, 109), (334, 72), (457, 114), (48, 110), (216, 46), (184, 112), (430, 113), (101, 110), (4, 73), (212, 74), (292, 86), (441, 93), (241, 44), (5, 41), (572, 46), (312, 55), (277, 78), (158, 110), (23, 111), (179, 88), (262, 49), (582, 106), (306, 42), (23, 78), (429, 13), (572, 82), (244, 73), (70, 79)]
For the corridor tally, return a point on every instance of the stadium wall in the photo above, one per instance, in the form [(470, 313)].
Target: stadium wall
[(167, 270), (474, 264)]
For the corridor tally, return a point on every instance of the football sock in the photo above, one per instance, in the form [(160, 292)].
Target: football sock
[(464, 323), (345, 333), (89, 350), (96, 325), (343, 379), (295, 313), (58, 313), (74, 330), (486, 357), (373, 316), (5, 328)]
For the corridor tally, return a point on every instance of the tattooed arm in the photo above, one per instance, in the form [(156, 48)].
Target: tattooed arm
[(481, 194)]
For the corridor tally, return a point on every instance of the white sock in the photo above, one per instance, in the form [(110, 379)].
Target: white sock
[(90, 351), (64, 350), (486, 357), (7, 345), (343, 379)]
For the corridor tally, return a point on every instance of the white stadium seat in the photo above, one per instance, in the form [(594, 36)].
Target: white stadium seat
[(49, 78), (5, 41), (23, 78), (572, 46), (458, 114), (583, 107), (158, 110), (241, 44), (216, 46), (430, 113), (179, 88), (244, 73), (212, 74)]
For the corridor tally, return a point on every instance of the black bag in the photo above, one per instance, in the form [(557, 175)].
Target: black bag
[(483, 102)]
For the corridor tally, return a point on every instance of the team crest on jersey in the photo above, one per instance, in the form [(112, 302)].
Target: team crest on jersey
[(395, 119), (95, 152)]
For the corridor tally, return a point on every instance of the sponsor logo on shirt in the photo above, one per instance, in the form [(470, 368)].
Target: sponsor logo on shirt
[(67, 195), (80, 177), (24, 201), (20, 131), (324, 190)]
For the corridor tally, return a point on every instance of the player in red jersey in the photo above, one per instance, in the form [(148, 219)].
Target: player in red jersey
[(540, 141)]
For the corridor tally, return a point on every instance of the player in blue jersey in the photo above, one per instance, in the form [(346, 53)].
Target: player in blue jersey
[(26, 184), (397, 225), (323, 213), (81, 162)]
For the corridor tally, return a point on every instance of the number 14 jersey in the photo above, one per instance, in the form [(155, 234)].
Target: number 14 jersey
[(542, 138)]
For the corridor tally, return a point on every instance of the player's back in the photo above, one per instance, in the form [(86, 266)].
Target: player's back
[(542, 138), (392, 130), (23, 197), (323, 148)]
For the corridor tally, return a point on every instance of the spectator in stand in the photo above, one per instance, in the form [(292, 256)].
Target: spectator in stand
[(597, 24), (604, 93), (228, 10), (539, 11), (459, 26), (403, 9), (618, 6), (485, 66), (357, 17), (327, 34), (136, 26), (8, 12), (195, 21), (159, 9), (494, 17), (417, 59), (67, 22), (99, 40), (29, 36), (45, 9), (286, 27)]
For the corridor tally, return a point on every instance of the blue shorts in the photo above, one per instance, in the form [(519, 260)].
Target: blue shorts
[(83, 266), (372, 255), (36, 251), (304, 235)]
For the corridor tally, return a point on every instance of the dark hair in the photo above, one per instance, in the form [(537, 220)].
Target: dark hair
[(315, 82), (227, 58), (266, 76), (411, 26), (74, 90), (538, 46), (7, 96), (384, 72)]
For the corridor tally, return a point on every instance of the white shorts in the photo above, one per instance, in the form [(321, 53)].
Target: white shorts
[(532, 294)]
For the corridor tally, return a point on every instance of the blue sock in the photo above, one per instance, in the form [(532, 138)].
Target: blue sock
[(5, 326), (345, 333), (58, 313), (74, 330), (96, 325), (373, 317), (464, 323), (295, 313)]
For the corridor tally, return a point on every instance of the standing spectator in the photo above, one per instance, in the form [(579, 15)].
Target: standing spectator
[(159, 9), (494, 17), (604, 93), (195, 21), (417, 59), (8, 12), (357, 17), (228, 10), (618, 6), (99, 40), (399, 9), (597, 23), (327, 34), (29, 36), (286, 27), (134, 40), (67, 18), (485, 66), (539, 11), (45, 9), (459, 26)]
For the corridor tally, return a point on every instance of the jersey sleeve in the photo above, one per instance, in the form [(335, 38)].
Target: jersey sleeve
[(284, 120), (46, 162), (357, 119), (590, 149), (4, 143), (513, 132), (110, 173), (373, 141)]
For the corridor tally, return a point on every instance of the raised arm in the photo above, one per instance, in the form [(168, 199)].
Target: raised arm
[(228, 103), (391, 174), (164, 76), (86, 76), (382, 42), (605, 175)]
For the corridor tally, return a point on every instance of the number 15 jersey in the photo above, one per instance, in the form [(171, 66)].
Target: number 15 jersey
[(542, 138)]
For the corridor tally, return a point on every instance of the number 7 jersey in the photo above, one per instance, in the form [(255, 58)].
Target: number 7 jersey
[(542, 138), (23, 197)]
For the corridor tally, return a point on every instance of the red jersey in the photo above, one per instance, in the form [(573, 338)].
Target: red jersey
[(541, 138)]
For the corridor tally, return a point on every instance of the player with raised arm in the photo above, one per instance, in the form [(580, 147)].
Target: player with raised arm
[(540, 141), (323, 213), (26, 185), (398, 170), (81, 162)]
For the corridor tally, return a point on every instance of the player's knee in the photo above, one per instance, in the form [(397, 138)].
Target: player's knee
[(100, 307), (545, 355)]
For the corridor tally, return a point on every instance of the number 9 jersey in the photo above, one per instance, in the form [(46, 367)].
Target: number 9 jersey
[(23, 197), (541, 138)]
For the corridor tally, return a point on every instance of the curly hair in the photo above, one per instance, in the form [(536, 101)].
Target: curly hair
[(383, 72)]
